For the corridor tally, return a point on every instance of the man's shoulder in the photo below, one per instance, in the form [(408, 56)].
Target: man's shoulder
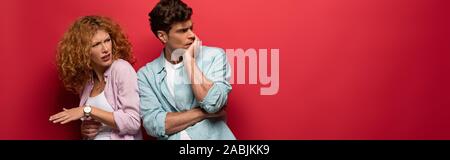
[(150, 67), (213, 51)]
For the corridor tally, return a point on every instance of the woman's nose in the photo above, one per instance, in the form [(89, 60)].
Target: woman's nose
[(104, 47)]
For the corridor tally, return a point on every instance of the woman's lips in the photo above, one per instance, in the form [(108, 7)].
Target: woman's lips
[(106, 58)]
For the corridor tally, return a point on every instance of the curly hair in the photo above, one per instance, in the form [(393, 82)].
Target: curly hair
[(73, 52), (168, 12)]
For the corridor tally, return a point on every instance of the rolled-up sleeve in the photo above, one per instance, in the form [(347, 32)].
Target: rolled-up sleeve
[(220, 74), (152, 114), (127, 116)]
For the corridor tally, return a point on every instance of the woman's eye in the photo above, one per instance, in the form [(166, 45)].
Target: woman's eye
[(95, 45)]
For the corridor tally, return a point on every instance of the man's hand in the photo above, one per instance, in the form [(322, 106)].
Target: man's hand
[(90, 128), (193, 50), (220, 114)]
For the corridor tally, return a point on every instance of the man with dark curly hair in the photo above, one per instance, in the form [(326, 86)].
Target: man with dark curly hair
[(184, 91)]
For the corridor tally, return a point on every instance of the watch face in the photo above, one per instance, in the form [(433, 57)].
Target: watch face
[(87, 109)]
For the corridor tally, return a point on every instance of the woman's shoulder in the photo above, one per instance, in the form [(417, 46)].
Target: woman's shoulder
[(120, 63), (122, 66)]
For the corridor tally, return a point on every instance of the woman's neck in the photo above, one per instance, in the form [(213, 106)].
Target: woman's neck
[(99, 73)]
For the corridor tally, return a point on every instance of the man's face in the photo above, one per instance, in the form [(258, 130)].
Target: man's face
[(181, 35)]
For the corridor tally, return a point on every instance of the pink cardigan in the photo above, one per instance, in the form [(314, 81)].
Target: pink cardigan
[(121, 92)]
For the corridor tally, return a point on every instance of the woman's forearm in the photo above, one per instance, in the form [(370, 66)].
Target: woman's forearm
[(104, 117)]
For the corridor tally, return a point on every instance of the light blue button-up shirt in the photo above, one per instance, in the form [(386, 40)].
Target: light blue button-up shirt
[(156, 100)]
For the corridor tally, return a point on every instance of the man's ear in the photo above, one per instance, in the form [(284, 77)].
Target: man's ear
[(162, 36)]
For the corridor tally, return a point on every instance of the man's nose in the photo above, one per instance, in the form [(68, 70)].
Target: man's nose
[(191, 35)]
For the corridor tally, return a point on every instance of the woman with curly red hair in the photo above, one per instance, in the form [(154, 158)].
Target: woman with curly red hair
[(94, 60)]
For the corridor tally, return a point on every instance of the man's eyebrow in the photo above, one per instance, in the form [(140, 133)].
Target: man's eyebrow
[(186, 28), (183, 28)]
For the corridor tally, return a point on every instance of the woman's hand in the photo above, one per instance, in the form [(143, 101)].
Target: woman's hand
[(67, 115), (90, 128)]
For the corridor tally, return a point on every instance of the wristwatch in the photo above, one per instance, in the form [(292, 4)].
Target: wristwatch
[(87, 110)]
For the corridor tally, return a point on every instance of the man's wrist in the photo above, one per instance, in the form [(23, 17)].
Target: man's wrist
[(201, 113), (187, 58)]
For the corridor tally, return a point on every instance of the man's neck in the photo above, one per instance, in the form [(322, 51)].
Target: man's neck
[(167, 55)]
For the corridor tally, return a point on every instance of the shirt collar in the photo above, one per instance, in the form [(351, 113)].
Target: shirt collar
[(106, 74)]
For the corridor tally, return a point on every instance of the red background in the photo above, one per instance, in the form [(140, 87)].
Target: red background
[(349, 69)]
